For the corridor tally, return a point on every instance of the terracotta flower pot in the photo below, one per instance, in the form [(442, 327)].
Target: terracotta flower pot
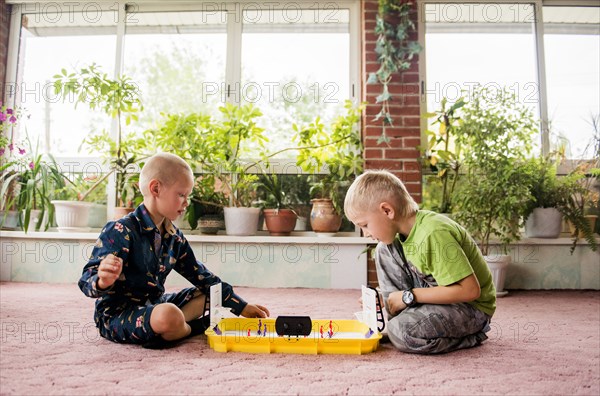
[(324, 220), (280, 221), (591, 219), (121, 211)]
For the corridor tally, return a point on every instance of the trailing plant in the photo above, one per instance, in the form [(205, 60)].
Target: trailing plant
[(395, 51)]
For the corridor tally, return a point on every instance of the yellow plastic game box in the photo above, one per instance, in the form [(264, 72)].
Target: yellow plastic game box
[(349, 337)]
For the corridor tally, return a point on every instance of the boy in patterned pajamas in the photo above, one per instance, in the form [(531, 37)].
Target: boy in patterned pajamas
[(133, 256), (436, 286)]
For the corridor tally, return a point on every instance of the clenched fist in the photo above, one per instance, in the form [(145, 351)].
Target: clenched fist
[(109, 271)]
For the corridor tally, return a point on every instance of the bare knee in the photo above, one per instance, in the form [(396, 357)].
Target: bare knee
[(166, 318)]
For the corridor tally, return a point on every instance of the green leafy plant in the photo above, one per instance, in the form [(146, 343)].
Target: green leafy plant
[(235, 134), (337, 150), (497, 136), (37, 178), (395, 51), (119, 99), (276, 197), (205, 200), (444, 152)]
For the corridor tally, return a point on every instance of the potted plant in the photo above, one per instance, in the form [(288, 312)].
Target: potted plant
[(587, 172), (8, 177), (548, 195), (206, 206), (496, 133), (338, 151), (81, 204), (232, 137), (444, 153), (118, 98), (37, 178), (279, 217)]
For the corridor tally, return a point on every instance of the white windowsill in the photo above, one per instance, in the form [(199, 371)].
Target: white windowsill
[(307, 237)]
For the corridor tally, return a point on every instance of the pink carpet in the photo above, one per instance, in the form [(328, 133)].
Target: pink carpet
[(542, 343)]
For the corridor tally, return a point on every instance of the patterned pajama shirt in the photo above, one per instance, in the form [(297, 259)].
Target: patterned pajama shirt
[(123, 311)]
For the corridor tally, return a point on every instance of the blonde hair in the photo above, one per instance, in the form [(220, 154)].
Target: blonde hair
[(374, 187), (167, 168)]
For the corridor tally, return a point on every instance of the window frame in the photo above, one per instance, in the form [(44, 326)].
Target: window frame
[(539, 55), (233, 54)]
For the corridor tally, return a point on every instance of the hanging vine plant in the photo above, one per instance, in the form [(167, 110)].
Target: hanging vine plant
[(394, 53)]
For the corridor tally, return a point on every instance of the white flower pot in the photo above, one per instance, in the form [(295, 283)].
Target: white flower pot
[(72, 215), (34, 216), (498, 265), (97, 217), (9, 220), (241, 221), (544, 223)]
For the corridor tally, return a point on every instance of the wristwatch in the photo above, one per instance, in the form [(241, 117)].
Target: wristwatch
[(408, 298)]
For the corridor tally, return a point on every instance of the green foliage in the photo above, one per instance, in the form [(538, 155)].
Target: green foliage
[(394, 50), (444, 152), (37, 178), (338, 151), (124, 163), (117, 98), (236, 134), (276, 196), (78, 188), (205, 201), (497, 135)]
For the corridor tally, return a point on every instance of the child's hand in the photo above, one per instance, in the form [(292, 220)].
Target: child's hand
[(255, 311), (109, 271), (395, 304)]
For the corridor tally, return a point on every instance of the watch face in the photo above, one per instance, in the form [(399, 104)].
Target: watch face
[(407, 297)]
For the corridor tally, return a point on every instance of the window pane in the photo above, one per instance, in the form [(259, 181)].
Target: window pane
[(49, 43), (488, 44), (295, 66), (178, 60), (572, 54)]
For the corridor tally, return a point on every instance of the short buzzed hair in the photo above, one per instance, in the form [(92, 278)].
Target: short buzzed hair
[(167, 168), (372, 188)]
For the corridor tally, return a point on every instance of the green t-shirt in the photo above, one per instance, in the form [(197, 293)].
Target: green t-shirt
[(440, 247)]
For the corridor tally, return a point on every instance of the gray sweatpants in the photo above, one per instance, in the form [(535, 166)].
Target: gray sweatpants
[(426, 328)]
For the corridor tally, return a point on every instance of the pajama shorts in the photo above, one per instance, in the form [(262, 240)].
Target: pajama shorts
[(131, 324)]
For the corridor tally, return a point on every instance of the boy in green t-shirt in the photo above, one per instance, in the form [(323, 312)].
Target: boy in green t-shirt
[(436, 286)]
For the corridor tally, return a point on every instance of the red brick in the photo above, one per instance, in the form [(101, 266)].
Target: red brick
[(409, 142), (408, 177), (409, 77), (392, 153), (412, 166), (372, 5), (414, 189), (404, 132), (411, 121), (373, 153), (383, 164), (371, 67)]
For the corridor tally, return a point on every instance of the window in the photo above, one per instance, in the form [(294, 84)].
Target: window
[(308, 69), (572, 59), (178, 61), (188, 57), (49, 42), (501, 44)]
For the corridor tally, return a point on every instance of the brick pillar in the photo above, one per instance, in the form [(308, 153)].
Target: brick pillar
[(4, 28), (401, 154)]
